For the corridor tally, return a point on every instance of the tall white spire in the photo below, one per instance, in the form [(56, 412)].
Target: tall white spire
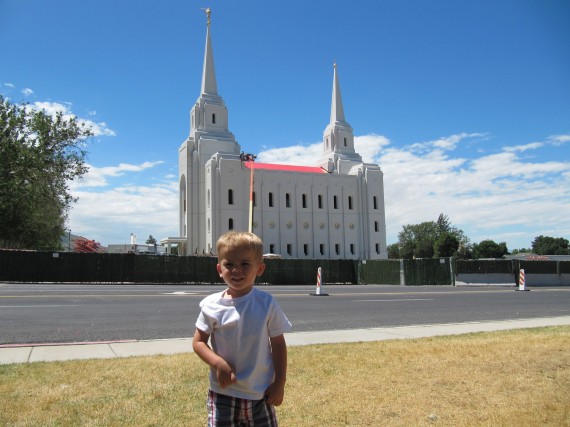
[(337, 110), (209, 85), (338, 139), (209, 116)]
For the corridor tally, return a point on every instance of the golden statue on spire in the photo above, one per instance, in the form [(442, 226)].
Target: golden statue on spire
[(208, 13)]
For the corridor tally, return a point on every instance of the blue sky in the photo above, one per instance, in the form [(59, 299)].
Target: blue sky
[(465, 105)]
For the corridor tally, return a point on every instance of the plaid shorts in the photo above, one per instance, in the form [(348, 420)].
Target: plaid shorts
[(228, 411)]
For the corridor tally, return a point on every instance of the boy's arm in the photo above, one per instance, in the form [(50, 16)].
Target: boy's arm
[(276, 391), (224, 372)]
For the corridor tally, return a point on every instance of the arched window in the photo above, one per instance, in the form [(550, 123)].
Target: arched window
[(375, 202), (230, 196), (270, 200), (304, 200), (231, 224), (287, 200)]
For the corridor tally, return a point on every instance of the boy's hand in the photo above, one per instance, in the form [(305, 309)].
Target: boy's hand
[(274, 394), (225, 374), (276, 391)]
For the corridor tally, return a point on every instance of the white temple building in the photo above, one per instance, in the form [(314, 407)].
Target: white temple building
[(333, 210)]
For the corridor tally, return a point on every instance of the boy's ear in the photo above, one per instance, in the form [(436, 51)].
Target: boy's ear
[(219, 269), (260, 269)]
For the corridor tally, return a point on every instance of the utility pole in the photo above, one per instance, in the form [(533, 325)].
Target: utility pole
[(246, 157)]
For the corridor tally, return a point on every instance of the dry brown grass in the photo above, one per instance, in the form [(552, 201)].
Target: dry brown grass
[(515, 378)]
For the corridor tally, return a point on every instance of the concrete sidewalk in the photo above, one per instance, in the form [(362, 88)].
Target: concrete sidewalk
[(109, 350)]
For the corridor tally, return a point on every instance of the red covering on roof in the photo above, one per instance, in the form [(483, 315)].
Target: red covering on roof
[(286, 168)]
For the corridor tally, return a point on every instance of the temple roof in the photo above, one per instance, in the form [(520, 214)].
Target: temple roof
[(286, 168)]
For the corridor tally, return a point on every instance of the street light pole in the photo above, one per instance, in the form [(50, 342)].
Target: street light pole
[(246, 157), (251, 196)]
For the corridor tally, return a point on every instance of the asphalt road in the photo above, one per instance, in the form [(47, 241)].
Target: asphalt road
[(55, 313)]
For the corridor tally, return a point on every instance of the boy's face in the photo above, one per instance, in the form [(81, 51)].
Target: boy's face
[(239, 268)]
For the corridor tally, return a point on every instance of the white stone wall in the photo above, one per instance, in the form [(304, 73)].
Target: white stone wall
[(295, 213)]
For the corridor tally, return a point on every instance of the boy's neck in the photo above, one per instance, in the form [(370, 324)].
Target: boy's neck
[(230, 293)]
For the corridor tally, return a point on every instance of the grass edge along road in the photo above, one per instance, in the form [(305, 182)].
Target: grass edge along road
[(519, 377)]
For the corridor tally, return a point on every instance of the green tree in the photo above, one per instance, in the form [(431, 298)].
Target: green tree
[(489, 249), (40, 155), (464, 249), (545, 245), (406, 242), (393, 251), (446, 245), (151, 240), (443, 223), (520, 251), (424, 248), (419, 240)]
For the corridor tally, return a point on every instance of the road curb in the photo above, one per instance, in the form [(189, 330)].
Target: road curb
[(133, 348)]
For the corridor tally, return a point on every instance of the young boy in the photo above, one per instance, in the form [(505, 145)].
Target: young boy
[(248, 354)]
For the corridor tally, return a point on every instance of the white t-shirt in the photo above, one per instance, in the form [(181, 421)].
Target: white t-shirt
[(239, 330)]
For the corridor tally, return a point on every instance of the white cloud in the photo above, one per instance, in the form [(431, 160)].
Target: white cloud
[(445, 143), (531, 146), (98, 129), (52, 108), (302, 155), (27, 91), (368, 146), (110, 216), (10, 85), (107, 215), (498, 196), (98, 177), (558, 139), (450, 142)]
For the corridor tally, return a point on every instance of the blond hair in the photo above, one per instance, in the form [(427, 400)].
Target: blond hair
[(233, 240)]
